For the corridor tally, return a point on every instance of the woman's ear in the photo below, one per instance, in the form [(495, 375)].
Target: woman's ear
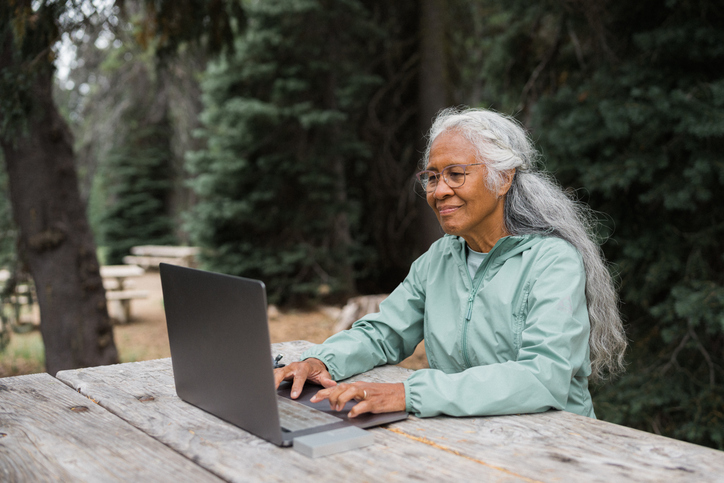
[(508, 180)]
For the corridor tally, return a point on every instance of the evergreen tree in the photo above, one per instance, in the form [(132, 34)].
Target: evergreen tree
[(279, 197), (134, 178), (139, 184), (645, 134), (627, 103)]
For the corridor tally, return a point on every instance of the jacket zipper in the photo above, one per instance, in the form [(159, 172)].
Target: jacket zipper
[(471, 300)]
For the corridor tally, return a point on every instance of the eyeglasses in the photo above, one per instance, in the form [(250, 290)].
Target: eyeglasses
[(454, 176)]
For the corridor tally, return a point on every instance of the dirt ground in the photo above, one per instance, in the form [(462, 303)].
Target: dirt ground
[(145, 336)]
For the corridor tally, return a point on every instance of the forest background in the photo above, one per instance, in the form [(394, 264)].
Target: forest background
[(282, 137)]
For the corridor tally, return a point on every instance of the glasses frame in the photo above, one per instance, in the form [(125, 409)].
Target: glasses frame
[(441, 174)]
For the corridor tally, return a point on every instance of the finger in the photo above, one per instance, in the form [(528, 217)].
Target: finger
[(321, 395), (360, 408), (326, 381), (300, 378), (279, 375), (338, 399)]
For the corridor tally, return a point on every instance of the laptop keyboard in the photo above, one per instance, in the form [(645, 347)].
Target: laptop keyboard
[(294, 415)]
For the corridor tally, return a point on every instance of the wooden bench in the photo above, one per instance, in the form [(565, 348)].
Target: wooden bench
[(149, 256), (119, 303), (116, 281)]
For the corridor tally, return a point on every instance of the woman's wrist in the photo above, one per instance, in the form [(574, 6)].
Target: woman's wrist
[(317, 364)]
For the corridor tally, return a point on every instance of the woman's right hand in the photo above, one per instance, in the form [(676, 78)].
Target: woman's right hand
[(307, 370)]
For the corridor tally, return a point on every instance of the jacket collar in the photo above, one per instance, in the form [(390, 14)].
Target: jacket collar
[(506, 247)]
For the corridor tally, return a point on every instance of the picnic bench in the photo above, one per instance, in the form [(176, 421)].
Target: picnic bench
[(125, 423), (119, 293), (149, 256)]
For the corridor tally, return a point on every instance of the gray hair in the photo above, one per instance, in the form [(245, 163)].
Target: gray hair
[(535, 204)]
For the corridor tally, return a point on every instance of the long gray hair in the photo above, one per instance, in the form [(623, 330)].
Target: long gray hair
[(535, 204)]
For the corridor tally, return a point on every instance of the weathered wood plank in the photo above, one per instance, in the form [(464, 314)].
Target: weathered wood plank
[(554, 446), (556, 443), (236, 455), (48, 432), (559, 445)]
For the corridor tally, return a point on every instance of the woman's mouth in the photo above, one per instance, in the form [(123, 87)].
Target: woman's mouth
[(446, 210)]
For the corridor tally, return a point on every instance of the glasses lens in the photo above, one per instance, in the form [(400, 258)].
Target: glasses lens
[(428, 179), (454, 176)]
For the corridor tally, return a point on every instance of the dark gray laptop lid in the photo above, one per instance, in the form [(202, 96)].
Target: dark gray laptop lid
[(211, 349)]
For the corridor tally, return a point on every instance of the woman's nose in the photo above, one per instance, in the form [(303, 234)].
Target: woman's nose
[(442, 189)]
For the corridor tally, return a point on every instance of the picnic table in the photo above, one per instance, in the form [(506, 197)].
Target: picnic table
[(124, 422), (150, 256), (119, 289)]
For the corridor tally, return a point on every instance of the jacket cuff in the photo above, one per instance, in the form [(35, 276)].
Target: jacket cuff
[(413, 401), (318, 353)]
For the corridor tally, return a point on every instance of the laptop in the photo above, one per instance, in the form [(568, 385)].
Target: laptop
[(222, 361)]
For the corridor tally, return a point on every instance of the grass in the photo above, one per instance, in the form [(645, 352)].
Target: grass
[(25, 354)]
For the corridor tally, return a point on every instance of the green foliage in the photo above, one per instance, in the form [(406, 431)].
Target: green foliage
[(277, 181), (138, 212), (134, 180), (169, 24), (629, 107)]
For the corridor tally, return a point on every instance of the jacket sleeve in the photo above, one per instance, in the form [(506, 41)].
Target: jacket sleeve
[(553, 348), (386, 337)]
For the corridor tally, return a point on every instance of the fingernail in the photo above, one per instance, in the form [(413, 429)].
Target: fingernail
[(295, 394)]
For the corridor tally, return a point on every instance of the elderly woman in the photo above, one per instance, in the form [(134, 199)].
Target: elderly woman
[(515, 303)]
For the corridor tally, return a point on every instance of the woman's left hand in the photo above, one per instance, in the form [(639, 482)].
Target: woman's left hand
[(373, 397)]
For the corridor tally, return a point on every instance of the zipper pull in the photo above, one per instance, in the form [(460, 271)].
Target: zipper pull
[(470, 309)]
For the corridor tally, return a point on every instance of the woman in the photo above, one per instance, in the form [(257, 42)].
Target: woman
[(515, 303)]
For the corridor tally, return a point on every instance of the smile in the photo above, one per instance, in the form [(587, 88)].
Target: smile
[(446, 210)]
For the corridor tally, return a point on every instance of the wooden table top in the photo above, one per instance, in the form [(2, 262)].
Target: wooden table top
[(125, 422), (121, 271)]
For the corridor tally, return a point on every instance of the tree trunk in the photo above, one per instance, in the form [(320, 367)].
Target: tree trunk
[(434, 93), (55, 240)]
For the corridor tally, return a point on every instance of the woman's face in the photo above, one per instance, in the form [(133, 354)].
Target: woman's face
[(471, 211)]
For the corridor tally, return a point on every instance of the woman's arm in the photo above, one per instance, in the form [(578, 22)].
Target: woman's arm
[(387, 337)]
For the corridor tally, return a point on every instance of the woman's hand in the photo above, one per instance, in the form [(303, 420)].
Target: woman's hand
[(307, 370), (373, 397)]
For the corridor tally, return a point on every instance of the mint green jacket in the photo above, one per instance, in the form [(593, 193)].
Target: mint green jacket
[(512, 340)]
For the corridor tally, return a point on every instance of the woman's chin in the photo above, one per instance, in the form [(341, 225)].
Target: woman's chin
[(451, 230)]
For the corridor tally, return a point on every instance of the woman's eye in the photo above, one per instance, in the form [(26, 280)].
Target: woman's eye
[(456, 174)]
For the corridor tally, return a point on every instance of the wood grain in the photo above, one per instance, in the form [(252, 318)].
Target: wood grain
[(48, 432), (554, 446)]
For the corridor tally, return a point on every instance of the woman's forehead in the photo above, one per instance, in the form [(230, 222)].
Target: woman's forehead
[(451, 147)]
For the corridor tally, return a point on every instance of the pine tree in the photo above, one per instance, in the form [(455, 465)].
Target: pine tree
[(644, 135), (626, 101), (138, 173), (277, 182), (132, 189)]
